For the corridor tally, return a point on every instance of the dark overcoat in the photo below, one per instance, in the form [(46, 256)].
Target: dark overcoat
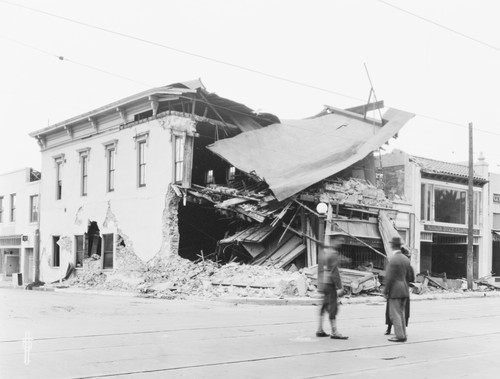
[(398, 274)]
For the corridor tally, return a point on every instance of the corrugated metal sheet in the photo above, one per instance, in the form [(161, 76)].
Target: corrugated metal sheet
[(295, 154)]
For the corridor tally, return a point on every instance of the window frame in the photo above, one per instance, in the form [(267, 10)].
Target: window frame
[(84, 158), (56, 251), (59, 161), (209, 177), (178, 157), (141, 143), (83, 246), (12, 213), (105, 253), (34, 219), (110, 149), (428, 203), (141, 164)]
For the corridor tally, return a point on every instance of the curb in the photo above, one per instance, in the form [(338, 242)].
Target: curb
[(293, 301)]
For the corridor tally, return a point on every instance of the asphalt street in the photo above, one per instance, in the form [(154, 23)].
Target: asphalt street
[(65, 335)]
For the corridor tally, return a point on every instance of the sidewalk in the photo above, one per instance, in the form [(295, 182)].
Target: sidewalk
[(362, 299)]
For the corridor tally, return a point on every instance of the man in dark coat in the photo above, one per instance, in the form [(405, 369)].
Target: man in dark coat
[(398, 274), (330, 284), (388, 322)]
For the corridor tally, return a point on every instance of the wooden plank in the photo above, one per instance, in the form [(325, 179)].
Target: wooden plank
[(364, 109)]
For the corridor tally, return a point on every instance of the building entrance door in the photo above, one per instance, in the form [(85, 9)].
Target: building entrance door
[(11, 264)]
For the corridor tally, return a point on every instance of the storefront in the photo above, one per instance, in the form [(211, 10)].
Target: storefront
[(10, 248)]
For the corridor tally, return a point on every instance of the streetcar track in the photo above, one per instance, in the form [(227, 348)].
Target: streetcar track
[(286, 356), (226, 327)]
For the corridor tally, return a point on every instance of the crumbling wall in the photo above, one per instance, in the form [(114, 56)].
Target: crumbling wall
[(393, 181), (170, 229), (126, 260)]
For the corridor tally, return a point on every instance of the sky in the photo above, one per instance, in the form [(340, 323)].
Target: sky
[(437, 59)]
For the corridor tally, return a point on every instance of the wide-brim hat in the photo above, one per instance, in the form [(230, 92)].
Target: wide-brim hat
[(396, 241)]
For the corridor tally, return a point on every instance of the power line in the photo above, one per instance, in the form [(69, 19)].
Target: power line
[(157, 44), (441, 26), (62, 58), (185, 52)]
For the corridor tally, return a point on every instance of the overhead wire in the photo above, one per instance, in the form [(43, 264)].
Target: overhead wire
[(441, 26), (63, 58), (182, 51), (157, 44)]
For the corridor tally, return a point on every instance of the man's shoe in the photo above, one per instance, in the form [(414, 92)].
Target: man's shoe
[(395, 339), (321, 334), (338, 336)]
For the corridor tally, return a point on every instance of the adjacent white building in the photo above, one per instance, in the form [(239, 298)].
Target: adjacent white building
[(19, 220), (107, 175)]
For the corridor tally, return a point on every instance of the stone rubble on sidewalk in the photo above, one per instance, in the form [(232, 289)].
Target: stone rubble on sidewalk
[(176, 277)]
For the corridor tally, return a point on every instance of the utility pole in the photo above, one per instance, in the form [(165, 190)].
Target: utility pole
[(470, 214)]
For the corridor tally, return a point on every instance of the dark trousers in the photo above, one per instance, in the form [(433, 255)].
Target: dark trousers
[(397, 315), (407, 313), (329, 301)]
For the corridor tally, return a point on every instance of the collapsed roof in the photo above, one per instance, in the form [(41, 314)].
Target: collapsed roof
[(188, 97), (295, 154)]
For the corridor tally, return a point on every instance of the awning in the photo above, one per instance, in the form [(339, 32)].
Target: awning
[(295, 154), (357, 228), (495, 235)]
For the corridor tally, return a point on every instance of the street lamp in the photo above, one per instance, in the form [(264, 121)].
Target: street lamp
[(322, 208)]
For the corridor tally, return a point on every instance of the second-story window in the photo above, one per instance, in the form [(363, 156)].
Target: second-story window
[(84, 169), (141, 163), (58, 161), (58, 180), (1, 208), (178, 159), (110, 150), (84, 166), (34, 208), (141, 145), (12, 207), (111, 169)]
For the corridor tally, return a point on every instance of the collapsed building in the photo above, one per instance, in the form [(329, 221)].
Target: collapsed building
[(177, 170)]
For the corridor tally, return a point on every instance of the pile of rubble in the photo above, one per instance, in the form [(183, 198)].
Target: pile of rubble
[(354, 192), (175, 277)]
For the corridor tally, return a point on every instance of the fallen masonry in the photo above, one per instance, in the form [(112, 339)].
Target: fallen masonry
[(178, 278)]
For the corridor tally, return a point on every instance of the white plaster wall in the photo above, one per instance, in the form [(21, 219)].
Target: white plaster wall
[(135, 212), (18, 182)]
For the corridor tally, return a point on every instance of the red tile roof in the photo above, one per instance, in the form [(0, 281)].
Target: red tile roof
[(432, 166)]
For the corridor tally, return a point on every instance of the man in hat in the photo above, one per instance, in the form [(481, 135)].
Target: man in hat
[(330, 284), (398, 274)]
